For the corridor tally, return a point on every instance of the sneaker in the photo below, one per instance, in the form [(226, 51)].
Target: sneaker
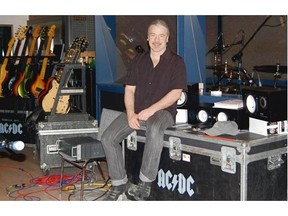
[(116, 193), (139, 192)]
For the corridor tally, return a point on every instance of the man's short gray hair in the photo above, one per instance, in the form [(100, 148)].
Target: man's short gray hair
[(160, 22)]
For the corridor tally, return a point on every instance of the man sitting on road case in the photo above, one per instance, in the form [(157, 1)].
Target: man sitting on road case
[(155, 81)]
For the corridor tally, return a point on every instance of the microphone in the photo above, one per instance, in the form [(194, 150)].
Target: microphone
[(236, 43), (12, 145)]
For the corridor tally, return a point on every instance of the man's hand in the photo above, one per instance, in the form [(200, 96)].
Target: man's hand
[(133, 121), (145, 114)]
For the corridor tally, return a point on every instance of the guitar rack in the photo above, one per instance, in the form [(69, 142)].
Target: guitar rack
[(64, 89)]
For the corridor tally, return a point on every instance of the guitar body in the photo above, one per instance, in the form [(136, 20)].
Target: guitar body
[(3, 71), (3, 79), (16, 84), (25, 82), (12, 70), (47, 98), (45, 91), (63, 103), (37, 86)]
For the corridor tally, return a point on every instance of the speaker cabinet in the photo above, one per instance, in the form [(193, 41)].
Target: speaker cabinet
[(240, 116), (265, 103), (201, 114), (190, 97)]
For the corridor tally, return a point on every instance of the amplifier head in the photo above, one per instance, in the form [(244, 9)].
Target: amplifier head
[(265, 103)]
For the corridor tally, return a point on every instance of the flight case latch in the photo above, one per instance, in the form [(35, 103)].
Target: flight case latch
[(175, 148), (132, 141), (274, 162), (228, 160)]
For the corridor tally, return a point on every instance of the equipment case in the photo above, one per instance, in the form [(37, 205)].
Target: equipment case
[(195, 166), (48, 132)]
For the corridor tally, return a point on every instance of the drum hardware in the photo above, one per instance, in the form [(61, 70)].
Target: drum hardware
[(230, 73), (238, 56), (271, 68), (276, 69)]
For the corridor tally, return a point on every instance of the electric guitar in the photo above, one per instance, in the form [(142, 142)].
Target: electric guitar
[(3, 71), (21, 84), (39, 83), (21, 64), (48, 96)]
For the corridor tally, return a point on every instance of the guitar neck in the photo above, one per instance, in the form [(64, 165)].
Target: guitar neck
[(31, 50), (16, 52), (5, 62), (23, 53), (45, 60)]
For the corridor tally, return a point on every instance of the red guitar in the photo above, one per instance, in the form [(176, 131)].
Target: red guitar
[(48, 95), (39, 83), (3, 71)]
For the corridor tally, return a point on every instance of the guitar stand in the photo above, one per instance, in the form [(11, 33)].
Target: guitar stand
[(63, 89)]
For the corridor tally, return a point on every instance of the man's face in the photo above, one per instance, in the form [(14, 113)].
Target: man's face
[(157, 38)]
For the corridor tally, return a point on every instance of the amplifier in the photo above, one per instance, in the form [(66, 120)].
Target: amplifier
[(81, 148), (265, 128), (265, 103)]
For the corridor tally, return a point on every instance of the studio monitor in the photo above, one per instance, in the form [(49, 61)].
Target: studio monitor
[(201, 114), (240, 116), (265, 103)]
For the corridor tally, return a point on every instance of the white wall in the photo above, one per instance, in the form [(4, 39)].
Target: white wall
[(14, 20)]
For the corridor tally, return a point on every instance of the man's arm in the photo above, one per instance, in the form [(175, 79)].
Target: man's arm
[(129, 105)]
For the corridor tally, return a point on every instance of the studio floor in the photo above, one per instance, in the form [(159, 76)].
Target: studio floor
[(22, 179)]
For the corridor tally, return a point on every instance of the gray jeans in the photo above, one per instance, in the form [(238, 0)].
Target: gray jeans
[(119, 130)]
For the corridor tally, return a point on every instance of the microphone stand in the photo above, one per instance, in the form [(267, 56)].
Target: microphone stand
[(238, 56)]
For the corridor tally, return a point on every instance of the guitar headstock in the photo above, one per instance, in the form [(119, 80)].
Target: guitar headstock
[(78, 45), (44, 32), (29, 31), (36, 31), (82, 43), (51, 31), (21, 32)]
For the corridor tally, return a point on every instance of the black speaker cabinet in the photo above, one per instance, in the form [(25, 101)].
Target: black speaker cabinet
[(189, 97), (201, 115), (240, 116), (265, 103)]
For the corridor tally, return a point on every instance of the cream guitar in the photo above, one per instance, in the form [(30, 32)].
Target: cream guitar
[(47, 97)]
